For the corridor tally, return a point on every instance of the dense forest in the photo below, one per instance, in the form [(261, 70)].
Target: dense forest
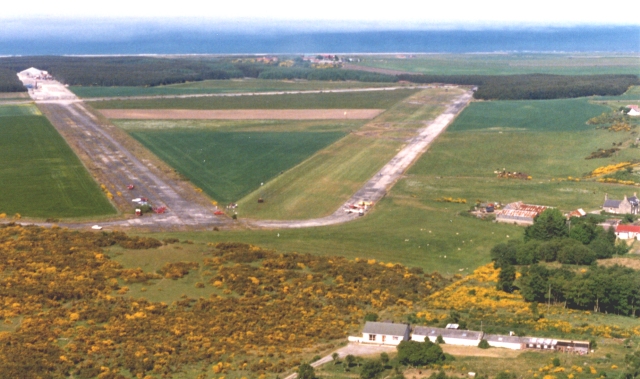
[(9, 81), (154, 71), (534, 86)]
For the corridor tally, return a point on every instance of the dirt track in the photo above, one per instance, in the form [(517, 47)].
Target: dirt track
[(242, 114)]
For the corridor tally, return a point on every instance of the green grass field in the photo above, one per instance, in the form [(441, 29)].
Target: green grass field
[(509, 64), (40, 174), (353, 100), (321, 184), (221, 86), (229, 165)]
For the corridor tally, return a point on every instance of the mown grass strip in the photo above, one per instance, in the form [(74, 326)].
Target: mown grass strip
[(40, 174), (348, 100)]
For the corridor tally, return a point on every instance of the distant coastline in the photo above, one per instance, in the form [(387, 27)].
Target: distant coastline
[(168, 41)]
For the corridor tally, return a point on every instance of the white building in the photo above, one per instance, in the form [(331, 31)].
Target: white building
[(449, 336), (508, 342), (383, 333)]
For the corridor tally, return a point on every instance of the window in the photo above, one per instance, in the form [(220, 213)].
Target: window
[(372, 337), (395, 338)]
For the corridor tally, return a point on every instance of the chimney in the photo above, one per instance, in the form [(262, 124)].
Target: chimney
[(606, 197)]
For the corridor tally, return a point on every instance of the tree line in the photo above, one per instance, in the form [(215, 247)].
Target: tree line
[(581, 241), (9, 81), (534, 86)]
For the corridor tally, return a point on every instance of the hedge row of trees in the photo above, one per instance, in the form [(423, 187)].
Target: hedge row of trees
[(534, 86), (614, 289), (551, 238), (332, 74)]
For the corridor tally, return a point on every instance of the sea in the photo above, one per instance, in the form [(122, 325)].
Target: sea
[(165, 40)]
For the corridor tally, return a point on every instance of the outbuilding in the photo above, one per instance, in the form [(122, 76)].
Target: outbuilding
[(508, 342), (628, 232), (449, 336)]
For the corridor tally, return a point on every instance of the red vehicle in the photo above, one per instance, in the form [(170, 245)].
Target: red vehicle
[(130, 187), (218, 213), (160, 210)]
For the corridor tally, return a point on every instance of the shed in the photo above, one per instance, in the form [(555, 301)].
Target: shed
[(509, 342), (626, 232), (540, 343), (385, 333), (450, 336)]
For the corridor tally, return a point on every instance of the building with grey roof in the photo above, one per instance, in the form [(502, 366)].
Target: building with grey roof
[(450, 336), (509, 342), (385, 333), (628, 205)]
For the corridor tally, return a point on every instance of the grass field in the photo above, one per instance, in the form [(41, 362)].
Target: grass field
[(221, 86), (40, 174), (321, 184), (509, 64), (229, 165), (353, 100)]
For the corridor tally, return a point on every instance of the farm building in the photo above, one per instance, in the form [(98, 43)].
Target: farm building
[(383, 333), (626, 205), (508, 342), (577, 213), (634, 110), (519, 213), (450, 336), (33, 73), (627, 232), (565, 346)]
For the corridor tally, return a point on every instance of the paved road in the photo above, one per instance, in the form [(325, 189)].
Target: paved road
[(359, 350), (237, 94), (377, 187), (117, 167)]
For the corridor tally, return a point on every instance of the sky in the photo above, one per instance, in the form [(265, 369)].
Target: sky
[(317, 15)]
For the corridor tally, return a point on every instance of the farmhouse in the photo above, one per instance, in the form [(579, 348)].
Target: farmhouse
[(450, 336), (626, 232), (519, 213), (383, 333), (627, 205)]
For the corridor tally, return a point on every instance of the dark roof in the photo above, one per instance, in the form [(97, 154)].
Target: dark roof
[(501, 338), (449, 333), (633, 200), (386, 328), (612, 203)]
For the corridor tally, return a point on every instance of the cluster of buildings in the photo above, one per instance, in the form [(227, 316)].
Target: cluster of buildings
[(389, 333), (519, 213)]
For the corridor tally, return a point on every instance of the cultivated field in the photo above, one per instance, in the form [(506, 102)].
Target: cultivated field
[(242, 114), (508, 64), (40, 174), (221, 86), (355, 100)]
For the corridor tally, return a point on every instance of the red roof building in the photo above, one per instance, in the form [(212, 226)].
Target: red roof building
[(625, 232)]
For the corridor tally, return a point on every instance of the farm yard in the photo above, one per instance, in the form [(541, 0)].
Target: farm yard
[(41, 177)]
